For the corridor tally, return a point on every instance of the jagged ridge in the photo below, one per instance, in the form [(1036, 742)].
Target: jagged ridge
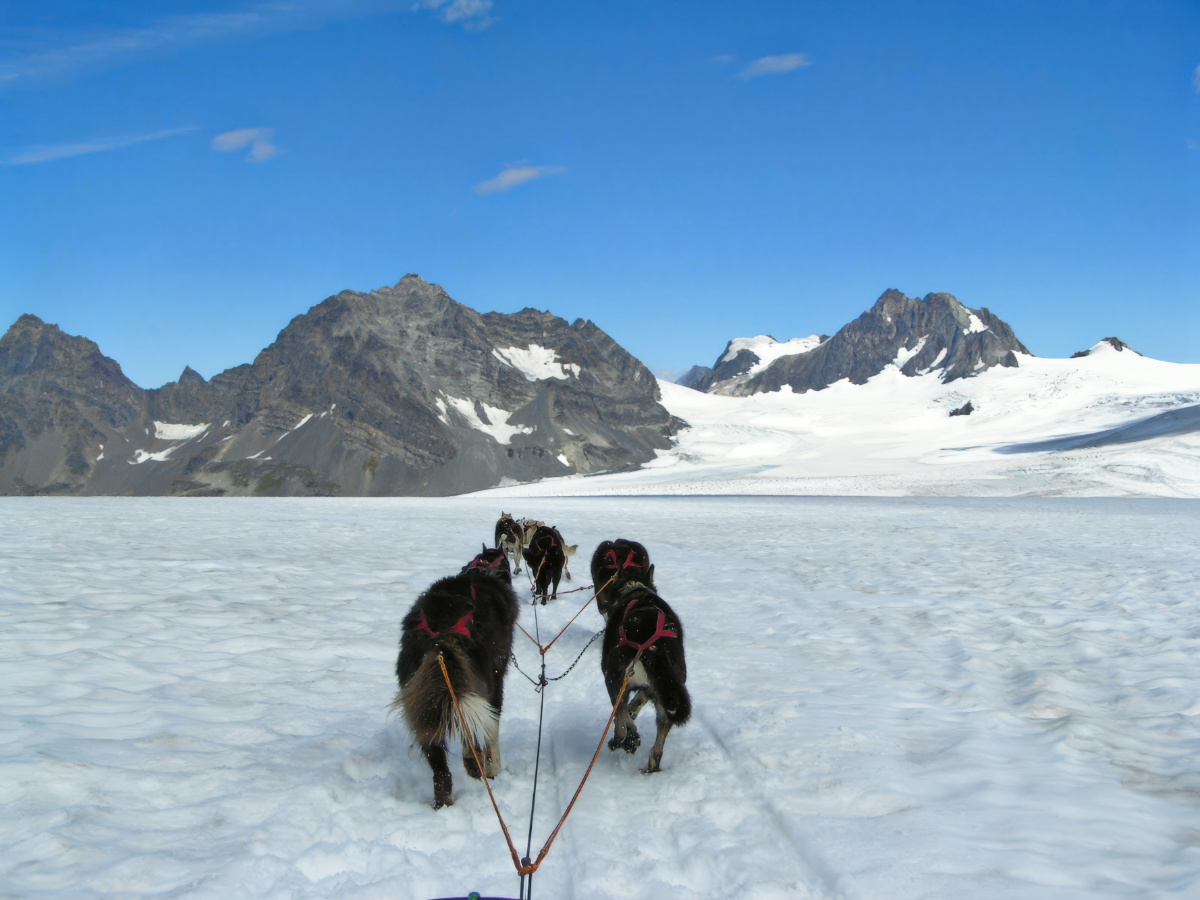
[(397, 391)]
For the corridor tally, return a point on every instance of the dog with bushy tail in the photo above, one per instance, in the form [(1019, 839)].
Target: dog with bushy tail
[(465, 622)]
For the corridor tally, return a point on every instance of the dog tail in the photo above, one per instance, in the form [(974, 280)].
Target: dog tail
[(429, 710), (676, 701)]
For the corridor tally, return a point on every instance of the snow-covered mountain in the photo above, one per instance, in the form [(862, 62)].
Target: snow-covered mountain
[(935, 333), (1107, 422), (405, 391)]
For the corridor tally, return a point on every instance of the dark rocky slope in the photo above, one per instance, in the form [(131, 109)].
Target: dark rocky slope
[(397, 391)]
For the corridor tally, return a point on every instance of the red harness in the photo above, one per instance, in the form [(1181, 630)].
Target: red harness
[(629, 560), (460, 627), (659, 630)]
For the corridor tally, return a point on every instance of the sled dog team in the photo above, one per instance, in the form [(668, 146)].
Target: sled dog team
[(461, 630)]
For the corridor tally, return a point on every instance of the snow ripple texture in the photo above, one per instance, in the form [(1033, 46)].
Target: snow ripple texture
[(894, 698)]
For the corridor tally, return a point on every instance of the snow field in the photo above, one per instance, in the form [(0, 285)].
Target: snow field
[(893, 436), (893, 698)]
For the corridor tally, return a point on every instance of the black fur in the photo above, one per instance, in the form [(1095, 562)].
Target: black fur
[(633, 607), (479, 601), (615, 562), (546, 556)]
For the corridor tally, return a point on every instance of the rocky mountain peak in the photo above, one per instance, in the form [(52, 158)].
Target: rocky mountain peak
[(932, 333), (191, 376), (32, 347)]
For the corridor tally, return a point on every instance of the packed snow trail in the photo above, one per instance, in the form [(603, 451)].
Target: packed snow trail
[(892, 698)]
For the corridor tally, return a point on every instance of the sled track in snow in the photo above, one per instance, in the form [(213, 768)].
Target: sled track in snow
[(824, 880)]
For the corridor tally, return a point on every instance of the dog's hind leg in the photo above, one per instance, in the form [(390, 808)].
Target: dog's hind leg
[(625, 734), (443, 784), (656, 752), (489, 753), (637, 699)]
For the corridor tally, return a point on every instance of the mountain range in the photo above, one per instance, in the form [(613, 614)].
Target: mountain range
[(404, 391)]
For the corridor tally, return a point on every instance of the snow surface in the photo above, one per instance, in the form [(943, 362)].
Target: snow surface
[(767, 349), (536, 363), (893, 698), (894, 436)]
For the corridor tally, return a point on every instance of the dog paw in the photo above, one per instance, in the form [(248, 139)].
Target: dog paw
[(653, 764), (443, 800), (471, 768), (630, 744)]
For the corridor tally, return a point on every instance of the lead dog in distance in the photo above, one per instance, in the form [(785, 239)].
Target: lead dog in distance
[(643, 632), (546, 556), (510, 538), (468, 620)]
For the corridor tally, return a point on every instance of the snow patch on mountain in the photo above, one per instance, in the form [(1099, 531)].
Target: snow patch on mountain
[(167, 431), (975, 325), (141, 456), (767, 349), (537, 363), (903, 355), (497, 419)]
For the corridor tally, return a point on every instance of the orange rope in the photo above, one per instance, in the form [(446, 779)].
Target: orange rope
[(569, 624), (578, 614), (482, 771), (529, 870), (523, 870)]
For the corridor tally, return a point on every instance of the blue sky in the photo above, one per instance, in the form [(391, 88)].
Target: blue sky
[(178, 180)]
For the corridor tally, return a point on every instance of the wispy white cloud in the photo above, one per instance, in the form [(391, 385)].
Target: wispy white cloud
[(473, 15), (724, 59), (776, 65), (55, 54), (51, 152), (257, 139), (1196, 79), (513, 176)]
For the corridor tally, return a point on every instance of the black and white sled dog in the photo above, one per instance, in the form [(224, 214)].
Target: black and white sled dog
[(546, 556), (510, 538), (468, 620), (641, 630)]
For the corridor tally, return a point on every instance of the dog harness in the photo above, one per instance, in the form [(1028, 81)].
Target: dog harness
[(459, 627), (659, 630), (480, 563), (629, 561)]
